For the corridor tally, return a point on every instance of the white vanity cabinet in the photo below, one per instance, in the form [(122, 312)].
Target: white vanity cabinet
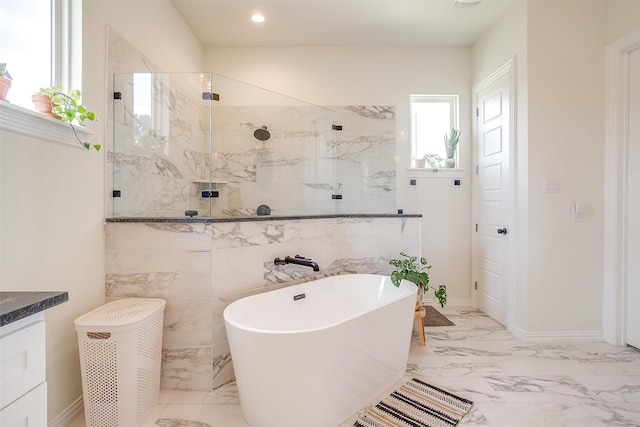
[(23, 387)]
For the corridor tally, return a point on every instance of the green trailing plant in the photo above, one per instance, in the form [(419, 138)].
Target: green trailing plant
[(68, 108), (4, 72), (416, 270), (451, 142)]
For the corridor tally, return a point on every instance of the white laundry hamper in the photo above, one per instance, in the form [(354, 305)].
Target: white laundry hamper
[(120, 346)]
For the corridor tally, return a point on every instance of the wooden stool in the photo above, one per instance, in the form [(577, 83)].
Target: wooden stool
[(418, 319)]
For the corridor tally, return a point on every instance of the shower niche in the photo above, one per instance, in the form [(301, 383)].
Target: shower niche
[(187, 142)]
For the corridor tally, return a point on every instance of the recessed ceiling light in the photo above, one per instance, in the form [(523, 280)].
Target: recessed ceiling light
[(257, 18)]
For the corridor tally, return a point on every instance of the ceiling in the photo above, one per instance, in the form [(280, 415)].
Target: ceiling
[(339, 22)]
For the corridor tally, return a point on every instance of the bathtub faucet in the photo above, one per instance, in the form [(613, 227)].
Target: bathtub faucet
[(300, 260)]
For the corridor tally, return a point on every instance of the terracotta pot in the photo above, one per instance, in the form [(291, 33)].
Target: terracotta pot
[(5, 84), (43, 105)]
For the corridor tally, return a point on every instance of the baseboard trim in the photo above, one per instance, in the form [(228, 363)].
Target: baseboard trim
[(557, 335), (451, 302), (70, 413)]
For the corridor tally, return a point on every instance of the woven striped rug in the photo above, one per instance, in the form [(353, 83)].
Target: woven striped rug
[(416, 404)]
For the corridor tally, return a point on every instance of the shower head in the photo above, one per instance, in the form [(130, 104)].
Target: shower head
[(262, 134)]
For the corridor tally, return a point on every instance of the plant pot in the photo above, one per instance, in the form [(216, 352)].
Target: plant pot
[(5, 84), (43, 105), (450, 163), (420, 163)]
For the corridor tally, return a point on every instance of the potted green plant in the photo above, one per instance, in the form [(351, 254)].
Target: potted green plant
[(66, 107), (5, 81), (451, 145), (431, 160), (415, 270)]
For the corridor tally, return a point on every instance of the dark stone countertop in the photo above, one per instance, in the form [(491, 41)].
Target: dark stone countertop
[(208, 219), (16, 305)]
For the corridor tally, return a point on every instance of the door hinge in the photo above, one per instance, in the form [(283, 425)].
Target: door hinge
[(210, 96), (477, 112), (476, 228), (476, 286), (477, 169)]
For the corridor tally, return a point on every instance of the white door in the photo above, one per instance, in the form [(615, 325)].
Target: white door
[(493, 188), (633, 204)]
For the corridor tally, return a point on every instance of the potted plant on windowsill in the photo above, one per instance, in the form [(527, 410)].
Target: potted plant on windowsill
[(451, 145), (417, 271), (5, 81), (66, 107), (428, 160)]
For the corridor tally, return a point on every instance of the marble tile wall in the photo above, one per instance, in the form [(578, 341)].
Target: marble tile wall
[(199, 269), (160, 147), (155, 154), (305, 161)]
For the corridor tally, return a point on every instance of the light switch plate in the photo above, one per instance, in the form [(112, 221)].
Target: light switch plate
[(551, 185)]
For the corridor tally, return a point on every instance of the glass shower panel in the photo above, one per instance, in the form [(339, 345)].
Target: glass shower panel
[(161, 148), (267, 151), (208, 145), (364, 150)]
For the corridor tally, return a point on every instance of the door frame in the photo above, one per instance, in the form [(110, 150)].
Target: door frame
[(508, 69), (614, 287)]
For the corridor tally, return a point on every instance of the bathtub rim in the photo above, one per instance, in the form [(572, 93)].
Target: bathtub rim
[(404, 285)]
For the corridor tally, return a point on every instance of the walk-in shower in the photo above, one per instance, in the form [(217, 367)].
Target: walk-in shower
[(206, 143)]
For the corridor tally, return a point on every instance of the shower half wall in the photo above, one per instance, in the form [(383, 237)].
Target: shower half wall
[(180, 138), (201, 267)]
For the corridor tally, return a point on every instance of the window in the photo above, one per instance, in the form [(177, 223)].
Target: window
[(432, 117), (39, 42)]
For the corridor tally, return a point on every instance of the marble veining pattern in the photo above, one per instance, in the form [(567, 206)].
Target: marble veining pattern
[(380, 113), (512, 383), (187, 368), (176, 422), (189, 265), (157, 161)]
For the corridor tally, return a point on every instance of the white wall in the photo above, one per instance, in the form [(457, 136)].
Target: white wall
[(53, 239), (623, 17), (381, 76), (560, 135), (566, 42), (52, 205)]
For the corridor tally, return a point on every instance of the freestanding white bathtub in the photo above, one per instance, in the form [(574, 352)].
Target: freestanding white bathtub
[(312, 355)]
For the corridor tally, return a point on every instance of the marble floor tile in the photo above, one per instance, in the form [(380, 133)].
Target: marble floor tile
[(182, 396), (201, 416), (511, 382)]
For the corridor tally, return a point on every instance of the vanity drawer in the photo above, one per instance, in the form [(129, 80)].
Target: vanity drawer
[(29, 411), (22, 358)]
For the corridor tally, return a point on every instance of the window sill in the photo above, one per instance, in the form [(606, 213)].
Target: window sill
[(30, 123), (435, 173)]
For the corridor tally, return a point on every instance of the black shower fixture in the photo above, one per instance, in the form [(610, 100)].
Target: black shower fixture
[(262, 134)]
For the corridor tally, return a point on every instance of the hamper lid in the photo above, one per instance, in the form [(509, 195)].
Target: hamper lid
[(125, 312)]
